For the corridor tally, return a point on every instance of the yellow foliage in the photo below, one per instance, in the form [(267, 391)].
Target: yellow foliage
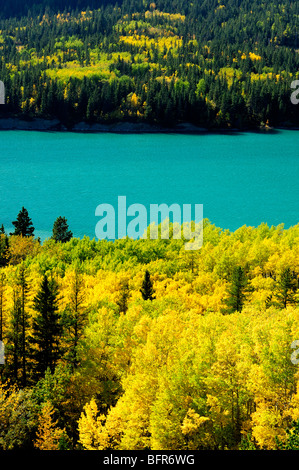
[(142, 41), (21, 247), (267, 424), (195, 430), (176, 372), (48, 435), (254, 56), (90, 427), (169, 16)]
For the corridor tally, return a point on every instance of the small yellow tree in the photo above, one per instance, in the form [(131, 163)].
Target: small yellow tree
[(48, 434), (91, 427), (95, 432)]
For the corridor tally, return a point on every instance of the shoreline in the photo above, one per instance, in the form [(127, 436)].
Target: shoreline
[(54, 125)]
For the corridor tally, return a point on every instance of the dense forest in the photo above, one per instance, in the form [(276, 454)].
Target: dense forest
[(140, 344), (213, 63)]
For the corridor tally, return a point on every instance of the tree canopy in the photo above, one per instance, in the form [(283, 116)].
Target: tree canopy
[(215, 64), (94, 363)]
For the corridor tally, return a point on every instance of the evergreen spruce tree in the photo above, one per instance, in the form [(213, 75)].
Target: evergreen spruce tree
[(61, 232), (285, 288), (124, 297), (4, 250), (46, 328), (147, 289), (23, 224), (17, 331), (236, 291)]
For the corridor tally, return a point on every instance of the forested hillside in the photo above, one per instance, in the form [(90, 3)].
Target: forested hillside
[(144, 345), (220, 64)]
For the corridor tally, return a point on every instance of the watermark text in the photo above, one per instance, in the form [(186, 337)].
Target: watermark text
[(295, 94), (172, 221), (1, 352), (2, 93)]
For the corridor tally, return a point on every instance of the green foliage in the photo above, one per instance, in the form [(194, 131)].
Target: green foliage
[(46, 328), (173, 373), (124, 297), (23, 224), (292, 440), (61, 232), (236, 291), (286, 287), (210, 64), (18, 415)]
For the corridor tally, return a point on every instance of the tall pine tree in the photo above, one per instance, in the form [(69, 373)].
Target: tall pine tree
[(17, 334), (23, 224), (61, 232), (236, 291), (147, 290), (46, 328), (285, 288)]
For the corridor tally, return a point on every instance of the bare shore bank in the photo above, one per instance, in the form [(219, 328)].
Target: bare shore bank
[(54, 125)]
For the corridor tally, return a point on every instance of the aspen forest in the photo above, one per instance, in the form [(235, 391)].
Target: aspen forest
[(140, 344)]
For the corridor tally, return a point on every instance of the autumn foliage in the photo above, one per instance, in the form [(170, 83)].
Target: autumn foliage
[(204, 362)]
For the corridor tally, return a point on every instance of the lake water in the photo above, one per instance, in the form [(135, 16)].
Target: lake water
[(241, 179)]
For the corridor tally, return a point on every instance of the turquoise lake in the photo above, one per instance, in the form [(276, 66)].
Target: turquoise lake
[(241, 179)]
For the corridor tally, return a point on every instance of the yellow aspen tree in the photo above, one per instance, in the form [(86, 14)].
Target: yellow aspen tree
[(48, 434), (91, 428), (195, 429)]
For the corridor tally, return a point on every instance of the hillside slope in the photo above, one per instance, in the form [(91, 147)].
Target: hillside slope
[(215, 63)]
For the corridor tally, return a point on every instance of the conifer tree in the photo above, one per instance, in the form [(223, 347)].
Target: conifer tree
[(147, 289), (4, 250), (124, 297), (61, 232), (23, 224), (286, 288), (17, 330), (236, 290), (46, 328)]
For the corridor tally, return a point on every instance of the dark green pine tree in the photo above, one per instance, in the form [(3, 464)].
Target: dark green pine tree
[(4, 250), (61, 232), (236, 291), (17, 337), (122, 302), (23, 224), (286, 288), (14, 341), (147, 289), (46, 329)]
